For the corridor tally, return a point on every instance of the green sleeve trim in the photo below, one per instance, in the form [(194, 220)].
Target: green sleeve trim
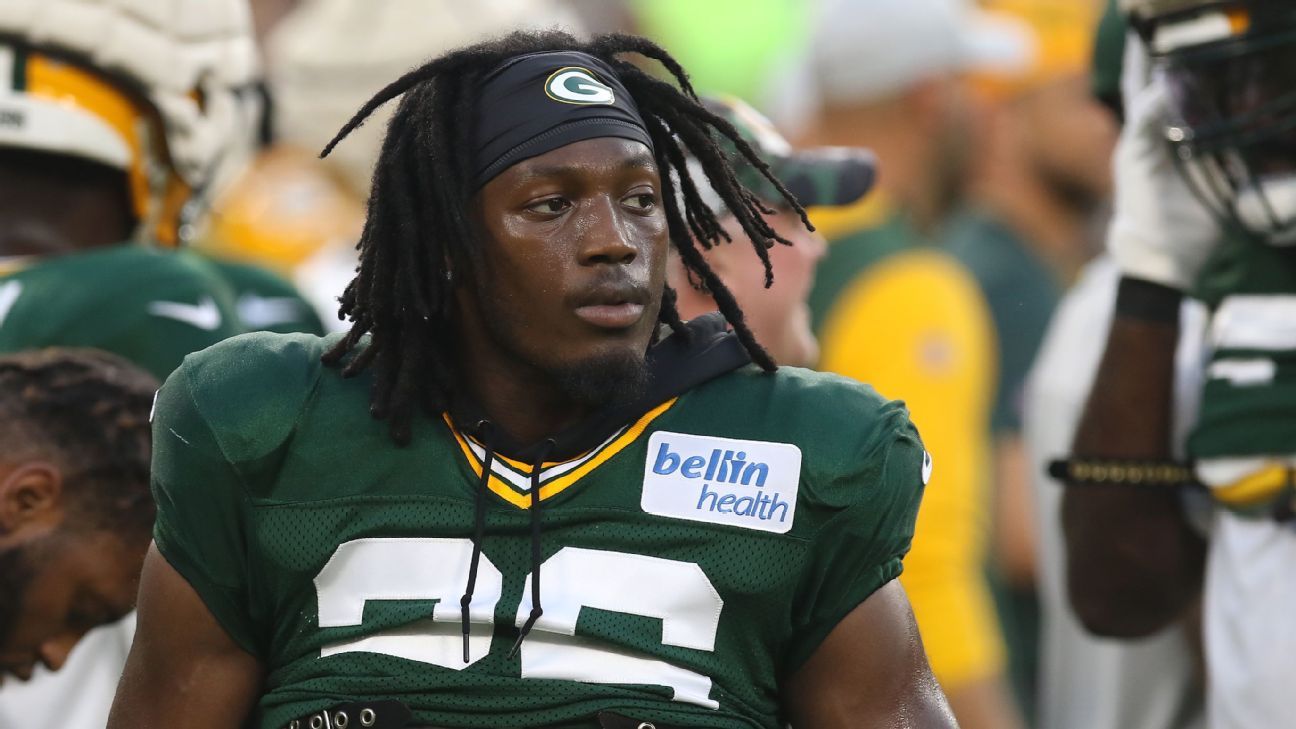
[(809, 641), (202, 508), (860, 549), (222, 608)]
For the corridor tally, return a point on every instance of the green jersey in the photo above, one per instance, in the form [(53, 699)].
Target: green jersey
[(1248, 405), (694, 558), (150, 306), (265, 301), (1022, 292)]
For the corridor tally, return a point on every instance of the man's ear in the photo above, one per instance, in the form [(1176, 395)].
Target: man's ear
[(31, 497)]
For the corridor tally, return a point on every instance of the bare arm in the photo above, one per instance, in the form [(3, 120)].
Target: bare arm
[(1015, 542), (183, 667), (1133, 563), (869, 673)]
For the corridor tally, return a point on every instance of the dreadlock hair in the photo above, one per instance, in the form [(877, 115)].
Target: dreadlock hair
[(88, 412), (417, 221)]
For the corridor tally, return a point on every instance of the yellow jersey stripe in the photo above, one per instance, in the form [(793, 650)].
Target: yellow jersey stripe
[(561, 483), (1254, 489)]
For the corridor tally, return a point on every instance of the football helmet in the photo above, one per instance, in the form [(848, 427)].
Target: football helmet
[(161, 89), (1230, 70)]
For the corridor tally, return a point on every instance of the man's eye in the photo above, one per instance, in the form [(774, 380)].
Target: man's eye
[(550, 206), (642, 201)]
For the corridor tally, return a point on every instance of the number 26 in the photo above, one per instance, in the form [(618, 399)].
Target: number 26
[(678, 593)]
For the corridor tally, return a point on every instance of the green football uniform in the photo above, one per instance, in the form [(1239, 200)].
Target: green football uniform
[(265, 301), (1248, 404), (691, 560), (150, 306), (1022, 292)]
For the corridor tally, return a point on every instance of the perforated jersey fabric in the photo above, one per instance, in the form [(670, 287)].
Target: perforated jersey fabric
[(287, 507)]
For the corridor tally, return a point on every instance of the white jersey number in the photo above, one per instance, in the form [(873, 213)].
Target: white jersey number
[(677, 593), (409, 569), (9, 292)]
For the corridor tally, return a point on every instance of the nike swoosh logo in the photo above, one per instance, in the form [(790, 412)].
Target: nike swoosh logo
[(205, 314), (926, 467), (9, 293), (258, 312)]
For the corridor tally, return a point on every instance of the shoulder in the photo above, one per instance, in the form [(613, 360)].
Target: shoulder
[(923, 273), (910, 299), (851, 256), (249, 390), (141, 261), (249, 276), (265, 300), (841, 427), (130, 273), (995, 254)]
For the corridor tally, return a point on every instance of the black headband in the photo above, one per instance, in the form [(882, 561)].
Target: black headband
[(539, 102)]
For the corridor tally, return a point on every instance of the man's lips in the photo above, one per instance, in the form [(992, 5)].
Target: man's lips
[(613, 306), (611, 316)]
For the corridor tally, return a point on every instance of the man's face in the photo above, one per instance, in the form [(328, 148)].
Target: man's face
[(59, 586), (952, 129), (574, 250), (37, 190), (779, 316), (1069, 138)]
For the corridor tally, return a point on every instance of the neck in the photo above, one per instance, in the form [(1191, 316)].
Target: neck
[(521, 401), (907, 132), (516, 396), (1054, 228)]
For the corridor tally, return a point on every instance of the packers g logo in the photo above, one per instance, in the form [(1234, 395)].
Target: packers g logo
[(576, 85)]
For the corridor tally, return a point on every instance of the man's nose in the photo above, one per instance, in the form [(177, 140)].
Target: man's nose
[(607, 238)]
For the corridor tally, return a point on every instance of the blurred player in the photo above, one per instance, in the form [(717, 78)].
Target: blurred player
[(75, 516), (116, 118), (889, 76), (825, 177), (1089, 682), (1041, 177), (541, 410), (1204, 173)]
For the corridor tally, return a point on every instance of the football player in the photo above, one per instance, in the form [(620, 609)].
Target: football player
[(891, 76), (520, 491), (74, 503), (1205, 170), (115, 117), (826, 177)]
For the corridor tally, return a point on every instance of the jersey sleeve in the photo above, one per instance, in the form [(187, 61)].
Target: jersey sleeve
[(860, 548), (267, 302), (201, 509)]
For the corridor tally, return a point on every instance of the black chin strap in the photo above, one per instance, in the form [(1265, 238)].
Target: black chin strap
[(485, 430), (536, 610)]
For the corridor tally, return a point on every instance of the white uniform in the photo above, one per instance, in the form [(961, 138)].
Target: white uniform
[(1250, 624), (1088, 682), (78, 696)]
